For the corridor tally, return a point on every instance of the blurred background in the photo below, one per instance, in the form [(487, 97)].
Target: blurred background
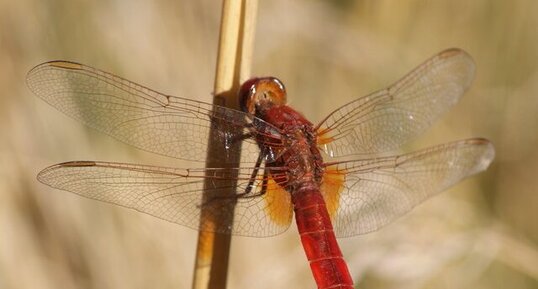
[(482, 233)]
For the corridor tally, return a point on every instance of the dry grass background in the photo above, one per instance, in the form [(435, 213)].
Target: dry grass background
[(482, 233)]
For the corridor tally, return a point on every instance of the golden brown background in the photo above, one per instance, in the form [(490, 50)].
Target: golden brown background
[(483, 233)]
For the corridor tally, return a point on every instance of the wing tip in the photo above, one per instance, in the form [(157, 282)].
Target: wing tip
[(58, 64), (77, 164), (487, 155), (62, 64), (453, 51), (42, 175), (468, 66)]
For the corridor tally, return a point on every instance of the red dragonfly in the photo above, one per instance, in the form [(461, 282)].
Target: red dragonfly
[(331, 175)]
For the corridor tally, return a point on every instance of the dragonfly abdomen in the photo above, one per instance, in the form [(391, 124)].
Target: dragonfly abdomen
[(319, 242)]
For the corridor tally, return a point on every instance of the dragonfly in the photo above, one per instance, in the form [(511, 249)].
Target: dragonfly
[(338, 177)]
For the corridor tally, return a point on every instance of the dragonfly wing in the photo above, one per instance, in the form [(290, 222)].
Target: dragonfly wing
[(374, 192), (175, 194), (386, 119), (149, 120)]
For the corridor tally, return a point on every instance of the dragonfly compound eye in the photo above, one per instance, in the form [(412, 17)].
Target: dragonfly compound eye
[(246, 94)]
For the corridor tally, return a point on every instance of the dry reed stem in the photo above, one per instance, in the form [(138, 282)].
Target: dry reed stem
[(233, 66)]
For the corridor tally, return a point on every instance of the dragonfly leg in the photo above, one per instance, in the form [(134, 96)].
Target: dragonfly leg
[(249, 187)]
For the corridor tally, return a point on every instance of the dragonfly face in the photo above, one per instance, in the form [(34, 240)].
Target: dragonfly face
[(257, 95)]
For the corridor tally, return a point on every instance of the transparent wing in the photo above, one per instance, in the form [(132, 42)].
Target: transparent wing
[(377, 191), (384, 120), (162, 124), (175, 194)]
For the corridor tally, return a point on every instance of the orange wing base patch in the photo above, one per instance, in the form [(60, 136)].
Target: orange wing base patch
[(278, 203), (323, 138), (332, 186)]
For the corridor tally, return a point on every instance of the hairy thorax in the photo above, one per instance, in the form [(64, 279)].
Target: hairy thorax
[(301, 156)]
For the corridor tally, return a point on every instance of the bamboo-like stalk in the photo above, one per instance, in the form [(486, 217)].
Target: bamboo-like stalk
[(233, 66)]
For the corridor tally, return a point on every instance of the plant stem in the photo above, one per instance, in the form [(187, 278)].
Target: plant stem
[(233, 66)]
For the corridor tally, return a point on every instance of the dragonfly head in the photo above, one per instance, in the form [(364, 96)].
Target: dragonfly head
[(259, 94)]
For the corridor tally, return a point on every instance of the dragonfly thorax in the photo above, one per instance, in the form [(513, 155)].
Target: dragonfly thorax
[(301, 158)]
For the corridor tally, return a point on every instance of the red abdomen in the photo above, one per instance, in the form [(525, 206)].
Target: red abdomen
[(319, 242)]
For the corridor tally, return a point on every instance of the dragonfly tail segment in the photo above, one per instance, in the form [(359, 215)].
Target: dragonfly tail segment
[(319, 241)]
